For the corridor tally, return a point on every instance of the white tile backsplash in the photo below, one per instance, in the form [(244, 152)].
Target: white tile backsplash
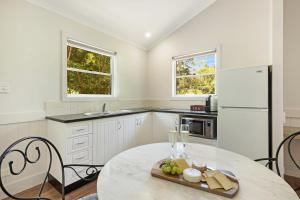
[(62, 108)]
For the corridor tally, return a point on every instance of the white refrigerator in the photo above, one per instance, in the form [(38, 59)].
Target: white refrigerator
[(244, 115)]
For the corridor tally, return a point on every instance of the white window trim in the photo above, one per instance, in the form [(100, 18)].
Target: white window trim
[(86, 97), (194, 96)]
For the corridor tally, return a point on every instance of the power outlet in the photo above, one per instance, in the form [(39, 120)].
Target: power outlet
[(4, 88)]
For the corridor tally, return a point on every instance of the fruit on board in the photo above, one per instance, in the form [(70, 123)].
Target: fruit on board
[(171, 167)]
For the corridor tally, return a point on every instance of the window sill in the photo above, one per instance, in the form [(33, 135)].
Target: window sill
[(189, 98), (88, 97)]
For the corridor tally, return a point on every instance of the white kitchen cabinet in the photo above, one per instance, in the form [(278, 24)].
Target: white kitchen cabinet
[(143, 129), (129, 123), (121, 135), (106, 139), (74, 142), (111, 139), (162, 124), (97, 141), (199, 140), (113, 135)]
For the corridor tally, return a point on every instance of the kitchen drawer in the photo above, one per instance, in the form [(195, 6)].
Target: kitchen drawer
[(79, 142), (81, 128), (81, 157)]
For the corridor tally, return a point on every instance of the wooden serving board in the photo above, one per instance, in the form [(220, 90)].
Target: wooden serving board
[(157, 172)]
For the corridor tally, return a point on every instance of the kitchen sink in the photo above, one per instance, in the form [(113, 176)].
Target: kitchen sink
[(105, 113), (121, 111)]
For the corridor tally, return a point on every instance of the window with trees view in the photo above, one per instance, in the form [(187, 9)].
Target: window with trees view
[(89, 70), (195, 75)]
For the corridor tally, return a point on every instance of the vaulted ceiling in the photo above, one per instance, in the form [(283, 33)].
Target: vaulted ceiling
[(140, 22)]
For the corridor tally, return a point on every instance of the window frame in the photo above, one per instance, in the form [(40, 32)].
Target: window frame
[(68, 41), (176, 96)]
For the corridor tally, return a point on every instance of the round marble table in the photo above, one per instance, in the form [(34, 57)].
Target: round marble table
[(127, 176)]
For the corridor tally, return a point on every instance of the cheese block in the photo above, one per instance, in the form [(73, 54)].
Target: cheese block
[(182, 164), (192, 175)]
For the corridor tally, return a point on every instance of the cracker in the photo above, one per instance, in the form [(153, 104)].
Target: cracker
[(224, 181), (213, 183), (211, 173)]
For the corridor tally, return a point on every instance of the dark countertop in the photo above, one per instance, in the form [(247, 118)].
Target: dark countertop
[(184, 111), (81, 117)]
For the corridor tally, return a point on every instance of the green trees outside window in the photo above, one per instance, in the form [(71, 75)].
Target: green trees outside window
[(196, 75), (88, 72)]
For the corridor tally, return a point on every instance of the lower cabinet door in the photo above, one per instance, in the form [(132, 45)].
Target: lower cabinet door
[(111, 139), (162, 124), (105, 140), (113, 135), (143, 129), (129, 132), (120, 136)]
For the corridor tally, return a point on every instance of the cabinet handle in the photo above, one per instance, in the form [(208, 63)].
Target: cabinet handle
[(79, 143), (81, 129), (119, 126)]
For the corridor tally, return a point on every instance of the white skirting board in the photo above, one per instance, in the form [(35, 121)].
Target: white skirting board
[(23, 184)]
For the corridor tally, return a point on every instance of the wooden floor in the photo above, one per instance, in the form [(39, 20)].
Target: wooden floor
[(294, 182), (51, 193)]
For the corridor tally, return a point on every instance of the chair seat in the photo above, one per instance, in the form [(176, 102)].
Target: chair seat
[(90, 197)]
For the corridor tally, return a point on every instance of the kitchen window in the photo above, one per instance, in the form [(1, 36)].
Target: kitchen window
[(194, 75), (88, 71)]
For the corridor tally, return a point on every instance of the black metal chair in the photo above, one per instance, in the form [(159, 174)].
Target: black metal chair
[(288, 139), (37, 143)]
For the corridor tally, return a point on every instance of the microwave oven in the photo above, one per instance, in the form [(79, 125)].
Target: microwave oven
[(201, 126)]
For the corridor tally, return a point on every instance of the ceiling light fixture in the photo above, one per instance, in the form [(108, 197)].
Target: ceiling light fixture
[(148, 35)]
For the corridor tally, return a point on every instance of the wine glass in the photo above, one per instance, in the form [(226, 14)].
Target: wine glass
[(173, 137), (183, 137)]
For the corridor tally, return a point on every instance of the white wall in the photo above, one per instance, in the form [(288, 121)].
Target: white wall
[(30, 57), (242, 28), (291, 79), (291, 61), (30, 60), (277, 75)]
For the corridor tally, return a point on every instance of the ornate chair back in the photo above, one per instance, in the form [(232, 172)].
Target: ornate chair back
[(31, 143)]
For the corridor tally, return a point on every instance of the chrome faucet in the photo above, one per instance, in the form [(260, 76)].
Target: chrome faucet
[(103, 107)]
